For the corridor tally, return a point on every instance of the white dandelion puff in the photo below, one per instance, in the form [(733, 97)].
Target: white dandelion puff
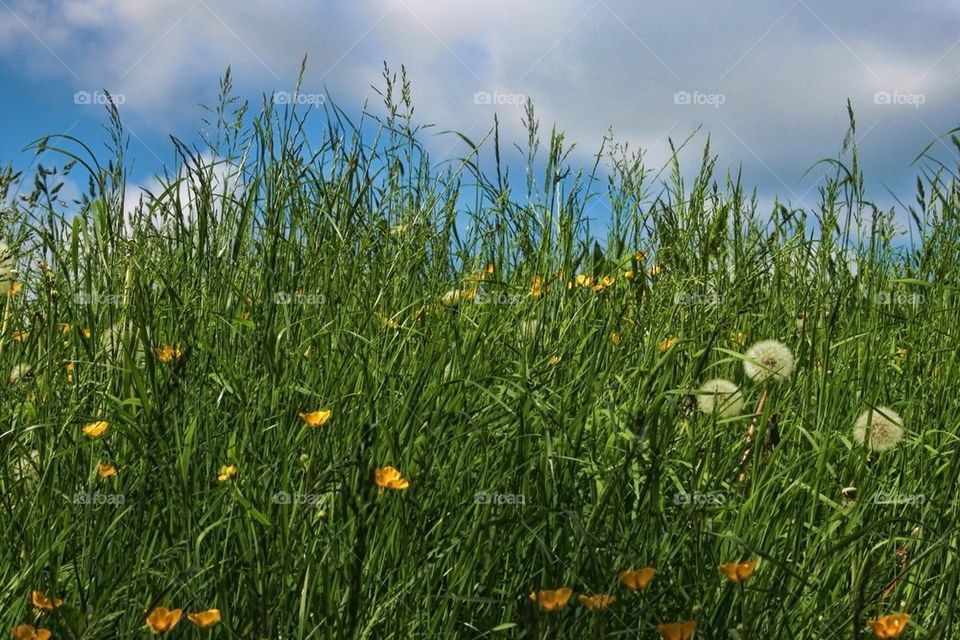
[(19, 373), (720, 396), (768, 360), (884, 425), (8, 273)]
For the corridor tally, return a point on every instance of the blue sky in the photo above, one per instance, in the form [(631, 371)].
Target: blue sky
[(767, 80)]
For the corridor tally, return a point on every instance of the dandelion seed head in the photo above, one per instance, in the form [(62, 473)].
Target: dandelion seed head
[(884, 425), (720, 396), (768, 360)]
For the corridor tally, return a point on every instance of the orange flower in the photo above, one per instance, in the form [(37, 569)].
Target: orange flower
[(316, 418), (890, 625), (106, 470), (637, 579), (552, 599), (168, 354), (739, 571), (27, 632), (677, 630), (162, 619), (43, 602), (205, 619), (96, 429), (597, 603), (389, 478)]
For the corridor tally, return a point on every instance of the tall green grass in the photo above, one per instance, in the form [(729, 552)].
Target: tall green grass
[(301, 263)]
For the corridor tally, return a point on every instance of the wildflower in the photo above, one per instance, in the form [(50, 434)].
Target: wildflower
[(85, 332), (106, 470), (168, 354), (739, 337), (162, 620), (552, 599), (536, 289), (628, 275), (20, 336), (768, 360), (721, 397), (18, 373), (316, 418), (666, 343), (655, 270), (637, 579), (96, 429), (614, 338), (8, 272), (389, 478), (583, 280), (69, 368), (44, 603), (677, 630), (902, 353), (65, 328), (640, 256), (884, 425), (890, 625), (603, 283), (205, 619), (597, 603), (28, 632), (386, 322), (553, 360), (739, 571), (227, 472)]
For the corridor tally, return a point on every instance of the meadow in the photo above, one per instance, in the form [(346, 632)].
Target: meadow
[(317, 386)]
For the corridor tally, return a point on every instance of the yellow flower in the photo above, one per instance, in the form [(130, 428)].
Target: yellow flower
[(106, 470), (227, 472), (552, 599), (597, 603), (65, 328), (14, 289), (388, 323), (603, 283), (536, 290), (739, 571), (86, 333), (389, 478), (168, 354), (655, 270), (21, 336), (614, 338), (677, 630), (162, 620), (316, 418), (902, 352), (96, 429), (584, 280), (553, 360), (628, 275), (637, 579), (739, 337), (27, 632), (890, 625), (69, 368), (43, 602), (666, 343), (205, 619), (640, 256)]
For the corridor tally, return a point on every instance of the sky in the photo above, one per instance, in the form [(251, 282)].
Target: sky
[(767, 80)]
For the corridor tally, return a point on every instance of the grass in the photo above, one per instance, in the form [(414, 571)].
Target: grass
[(298, 271)]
